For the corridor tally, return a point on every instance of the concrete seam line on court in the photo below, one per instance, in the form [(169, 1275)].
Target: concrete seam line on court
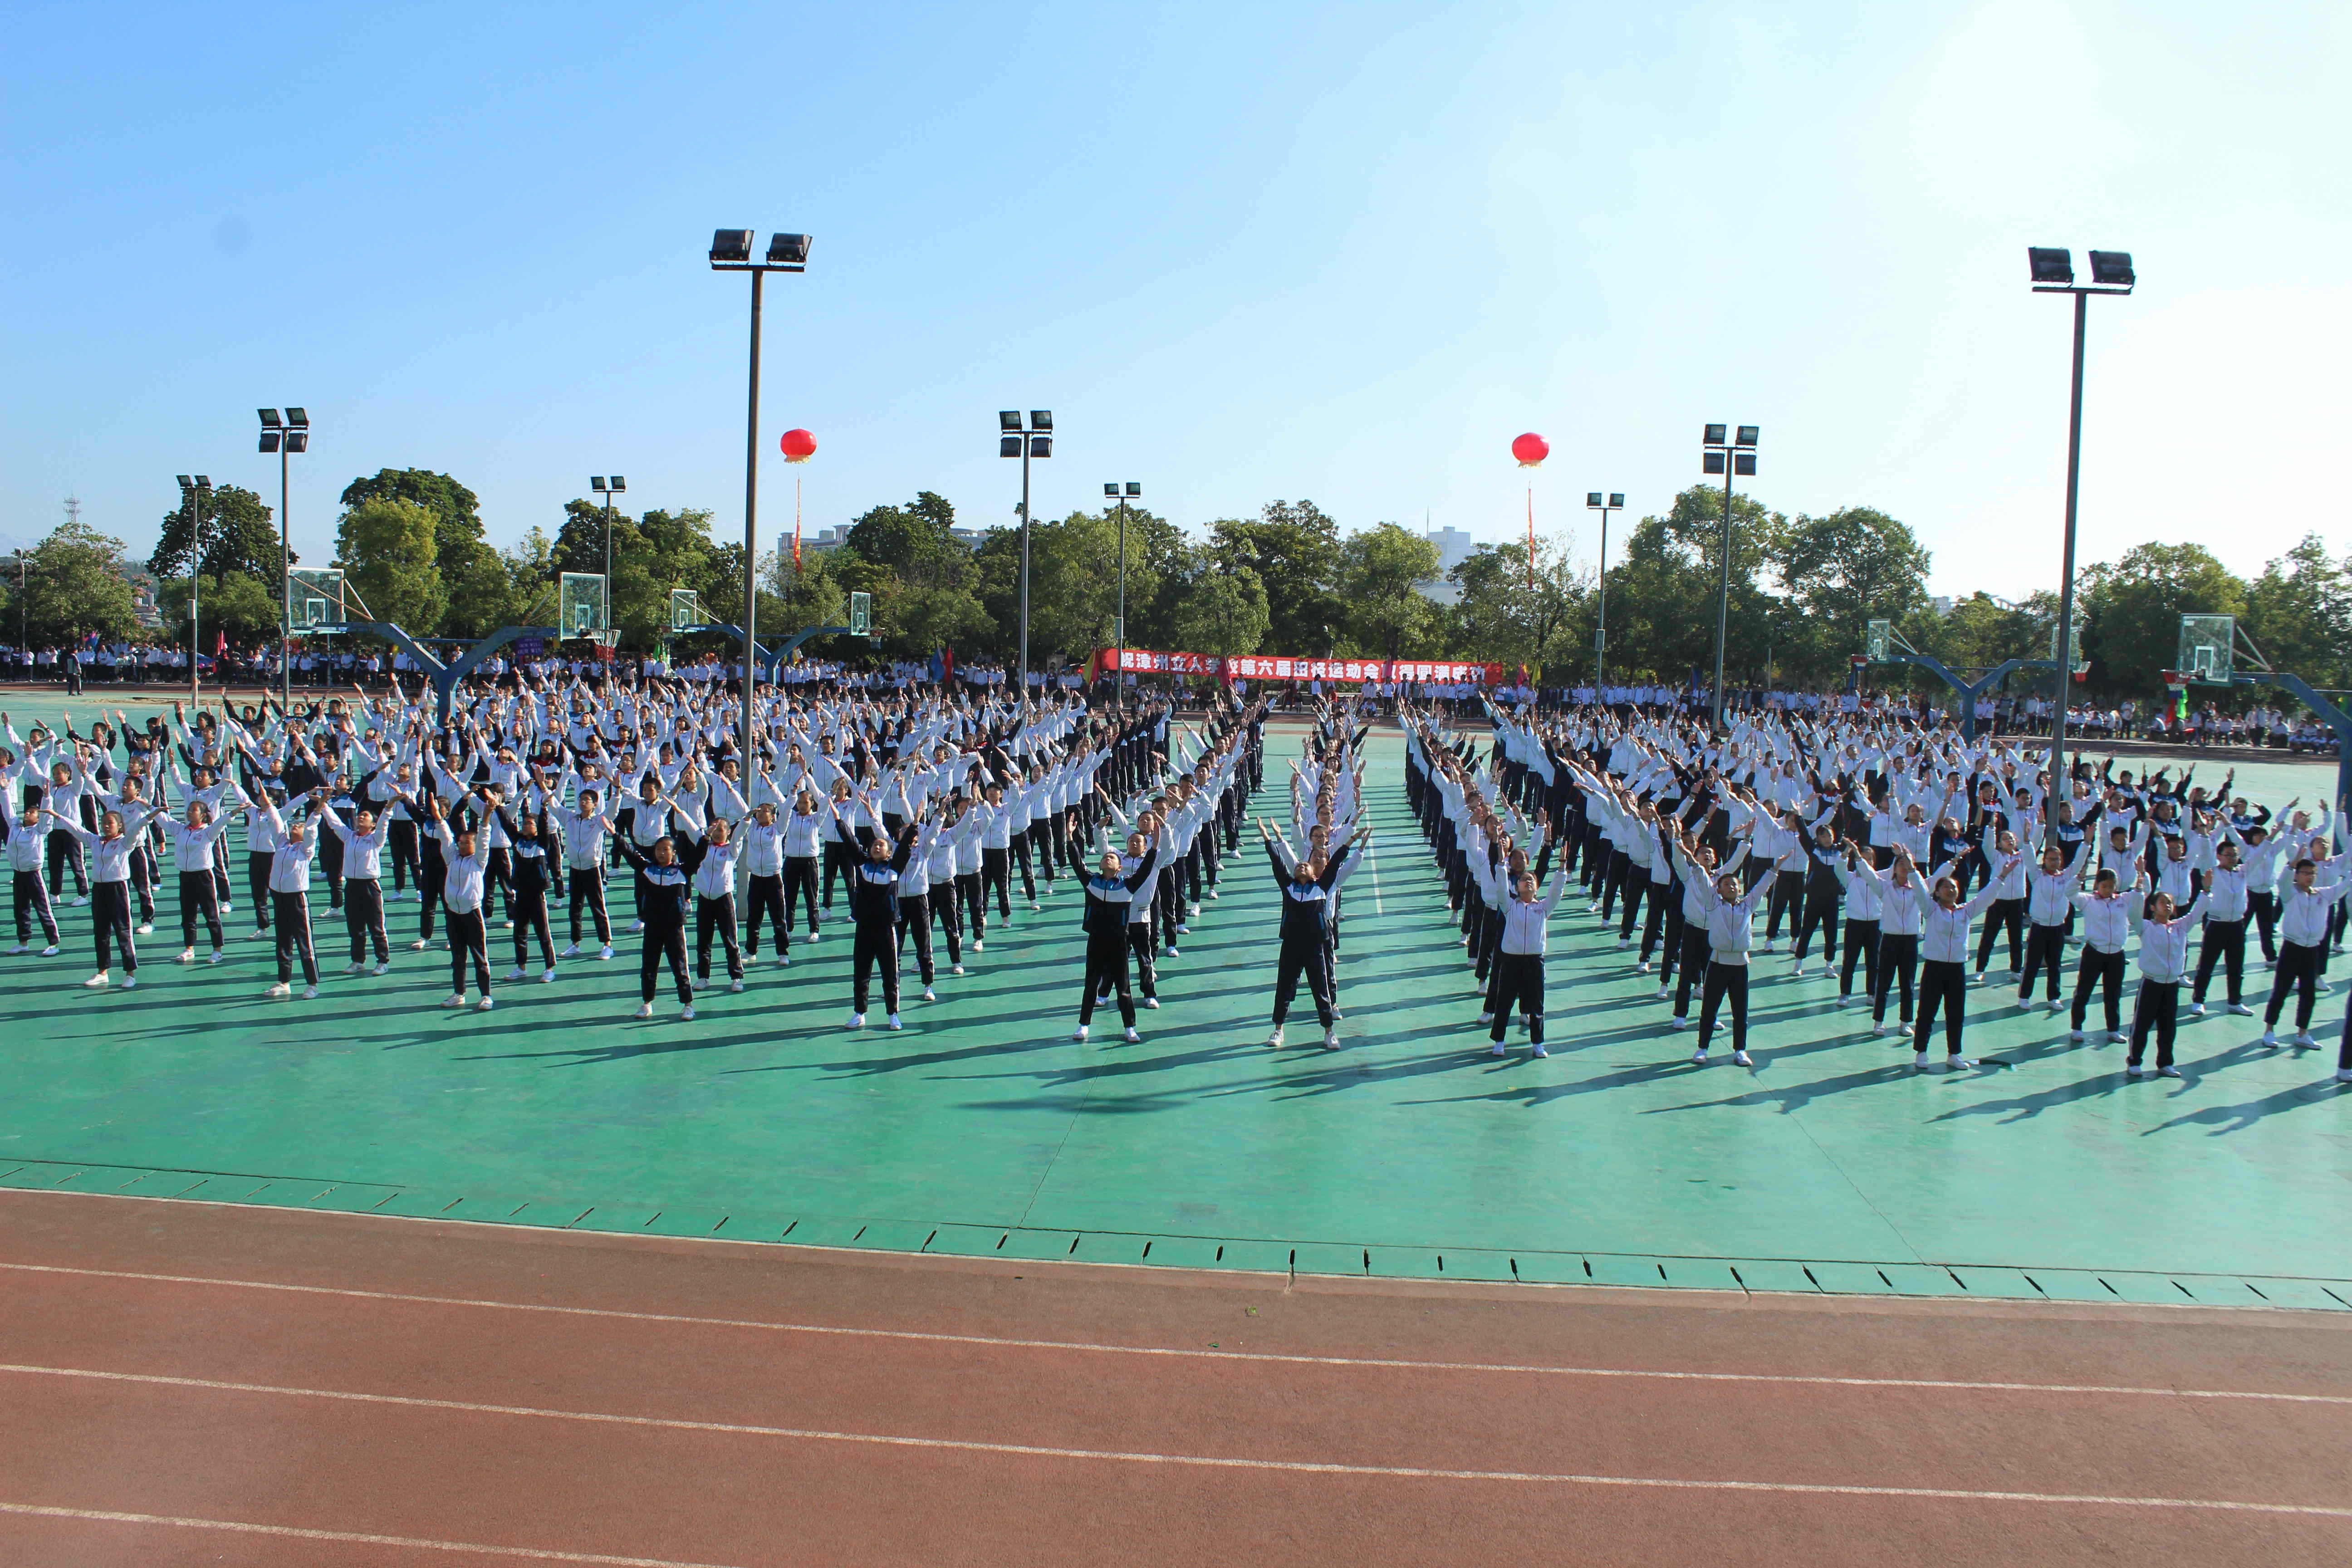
[(114, 1515), (1187, 1354), (1741, 1293), (1197, 1461)]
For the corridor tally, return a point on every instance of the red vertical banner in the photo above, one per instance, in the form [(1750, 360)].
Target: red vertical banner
[(796, 524), (1531, 536)]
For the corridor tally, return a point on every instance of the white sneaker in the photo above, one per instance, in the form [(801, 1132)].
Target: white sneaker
[(1152, 1003), (700, 982), (2242, 1010), (279, 989), (22, 946), (1035, 906), (1796, 971), (352, 968), (517, 972), (1741, 1058), (1079, 1033), (2132, 1070), (1175, 952), (2167, 1072), (893, 1023), (1539, 1050), (1330, 1039), (1876, 1029), (309, 993), (1183, 930), (1958, 1064), (955, 969), (188, 954), (145, 928), (1768, 944), (1663, 993), (606, 951), (571, 951), (1919, 1061), (928, 995), (1484, 1019), (2197, 1009), (2117, 1037), (735, 985), (2344, 1075), (2270, 1039), (635, 927), (686, 1014), (783, 961), (1133, 1038), (130, 982), (1679, 1023), (384, 968), (1699, 1056), (2303, 1039), (857, 1020), (1643, 967), (1497, 1048), (1274, 1041), (816, 936), (1625, 942), (2057, 1003), (2075, 1036), (457, 1001), (51, 952), (80, 902), (505, 925), (417, 946), (644, 1009), (547, 975), (980, 946)]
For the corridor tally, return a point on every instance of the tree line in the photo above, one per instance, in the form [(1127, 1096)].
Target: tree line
[(1803, 588)]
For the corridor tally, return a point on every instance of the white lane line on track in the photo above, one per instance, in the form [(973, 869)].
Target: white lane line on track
[(1196, 1462), (537, 1554), (1180, 1353)]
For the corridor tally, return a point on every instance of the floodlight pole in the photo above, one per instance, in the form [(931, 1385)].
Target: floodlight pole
[(1025, 567), (2062, 791), (1601, 623), (284, 582), (196, 582), (1118, 666), (751, 539), (1723, 592)]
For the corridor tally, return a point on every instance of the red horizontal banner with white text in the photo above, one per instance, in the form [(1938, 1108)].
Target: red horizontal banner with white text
[(1279, 666)]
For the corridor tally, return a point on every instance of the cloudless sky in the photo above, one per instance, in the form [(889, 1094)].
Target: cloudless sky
[(1343, 252)]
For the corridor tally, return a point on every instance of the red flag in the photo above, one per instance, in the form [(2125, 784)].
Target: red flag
[(220, 643), (946, 664)]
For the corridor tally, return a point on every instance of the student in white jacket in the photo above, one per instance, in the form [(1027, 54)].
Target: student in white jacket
[(1730, 931), (2163, 959), (1944, 922)]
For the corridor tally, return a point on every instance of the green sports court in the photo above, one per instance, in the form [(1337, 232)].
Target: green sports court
[(983, 1130)]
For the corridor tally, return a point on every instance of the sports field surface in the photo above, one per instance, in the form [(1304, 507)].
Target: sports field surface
[(983, 1130), (359, 1281)]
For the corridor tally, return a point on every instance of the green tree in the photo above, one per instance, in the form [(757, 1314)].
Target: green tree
[(2132, 609), (2299, 614), (386, 548), (1842, 571), (1663, 595), (1074, 585), (240, 606), (1381, 570), (1294, 548), (1503, 614), (240, 536), (457, 511), (1219, 609), (79, 583)]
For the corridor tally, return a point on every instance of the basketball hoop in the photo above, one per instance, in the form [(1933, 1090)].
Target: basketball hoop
[(2174, 681)]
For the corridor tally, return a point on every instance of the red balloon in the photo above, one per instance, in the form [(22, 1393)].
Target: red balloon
[(798, 446), (1530, 449)]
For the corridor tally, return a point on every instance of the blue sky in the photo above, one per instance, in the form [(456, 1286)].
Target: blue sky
[(1338, 252)]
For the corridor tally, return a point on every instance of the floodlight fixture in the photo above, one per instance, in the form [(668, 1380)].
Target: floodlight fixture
[(1134, 487), (298, 418), (2050, 265), (1041, 419), (1746, 436), (1593, 497), (731, 247), (1711, 463), (1041, 446), (185, 482), (2112, 269), (1111, 491), (1743, 463), (270, 438), (1617, 501), (597, 483), (204, 481), (1008, 446), (269, 419), (619, 484), (1008, 419), (297, 441), (788, 250), (1714, 436)]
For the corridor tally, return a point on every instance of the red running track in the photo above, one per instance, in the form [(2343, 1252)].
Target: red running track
[(192, 1384)]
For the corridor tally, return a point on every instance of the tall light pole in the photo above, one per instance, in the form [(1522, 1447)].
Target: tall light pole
[(293, 436), (731, 252), (1735, 457), (1119, 666), (192, 496), (1037, 441), (2053, 273), (1616, 502), (608, 488)]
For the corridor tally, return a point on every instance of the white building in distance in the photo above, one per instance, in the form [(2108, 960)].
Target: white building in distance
[(1454, 547)]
